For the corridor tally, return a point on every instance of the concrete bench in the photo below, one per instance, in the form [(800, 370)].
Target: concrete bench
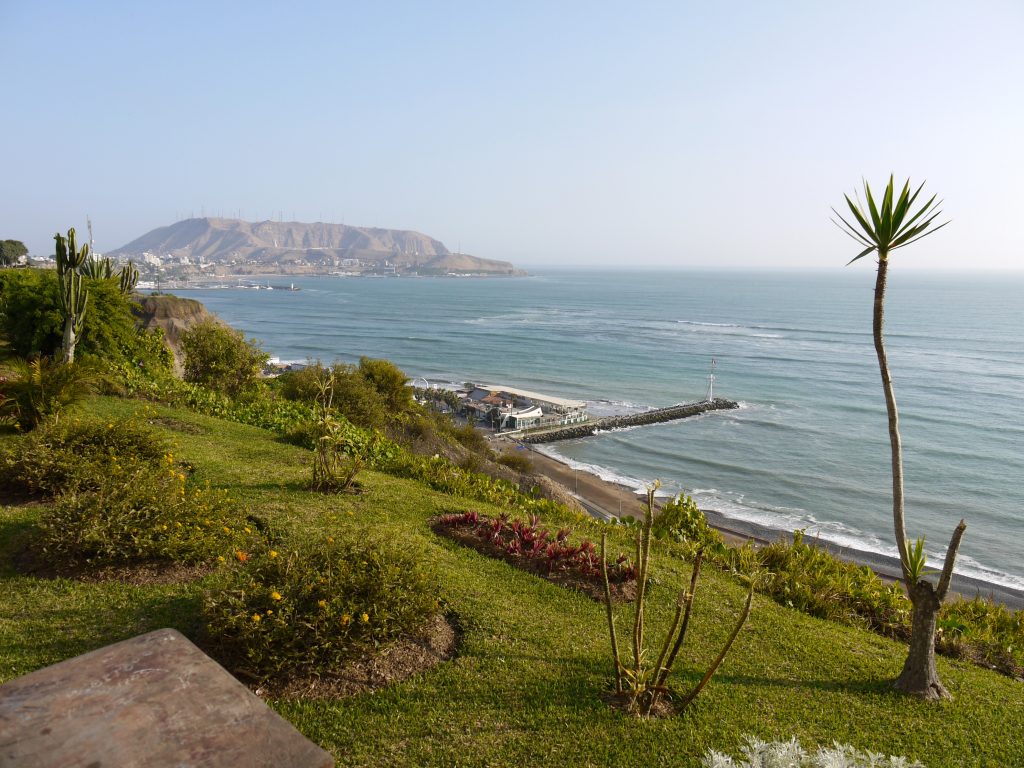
[(153, 700)]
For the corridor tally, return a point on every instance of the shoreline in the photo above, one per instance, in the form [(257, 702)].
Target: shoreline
[(604, 499)]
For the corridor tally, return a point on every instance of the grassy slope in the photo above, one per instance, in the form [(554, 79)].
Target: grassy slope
[(534, 659)]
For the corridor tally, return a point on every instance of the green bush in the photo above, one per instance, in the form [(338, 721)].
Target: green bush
[(137, 513), (33, 391), (681, 520), (812, 580), (983, 631), (520, 462), (306, 609), (32, 325), (78, 453), (220, 358)]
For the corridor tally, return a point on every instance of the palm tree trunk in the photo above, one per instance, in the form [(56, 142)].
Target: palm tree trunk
[(919, 676), (878, 317)]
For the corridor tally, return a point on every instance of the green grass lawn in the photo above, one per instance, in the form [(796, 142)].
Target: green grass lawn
[(533, 661)]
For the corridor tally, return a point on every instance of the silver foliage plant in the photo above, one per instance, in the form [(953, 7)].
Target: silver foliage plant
[(789, 754)]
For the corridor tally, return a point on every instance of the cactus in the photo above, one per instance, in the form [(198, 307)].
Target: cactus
[(129, 277), (72, 294), (646, 684), (97, 269)]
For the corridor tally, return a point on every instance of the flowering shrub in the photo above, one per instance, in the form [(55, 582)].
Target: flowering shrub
[(78, 453), (134, 512), (530, 543), (789, 754), (303, 610)]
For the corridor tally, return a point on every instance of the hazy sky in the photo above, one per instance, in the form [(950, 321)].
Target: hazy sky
[(546, 133)]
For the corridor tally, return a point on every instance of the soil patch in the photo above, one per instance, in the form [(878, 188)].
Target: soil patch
[(592, 587), (621, 701), (392, 663)]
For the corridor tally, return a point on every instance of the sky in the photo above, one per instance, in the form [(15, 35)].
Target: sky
[(586, 134)]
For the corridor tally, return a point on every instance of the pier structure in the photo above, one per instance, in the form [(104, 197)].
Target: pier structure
[(656, 416)]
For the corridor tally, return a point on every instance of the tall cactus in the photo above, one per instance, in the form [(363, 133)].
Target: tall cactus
[(129, 278), (71, 292)]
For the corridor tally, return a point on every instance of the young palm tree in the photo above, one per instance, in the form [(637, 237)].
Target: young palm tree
[(881, 230)]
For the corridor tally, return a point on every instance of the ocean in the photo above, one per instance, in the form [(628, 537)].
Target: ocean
[(808, 448)]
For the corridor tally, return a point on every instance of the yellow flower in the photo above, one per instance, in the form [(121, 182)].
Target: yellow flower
[(226, 529), (275, 595), (349, 513), (330, 539), (269, 612), (247, 529), (365, 618), (345, 619), (273, 553), (257, 618), (181, 477), (220, 558), (322, 603), (242, 556)]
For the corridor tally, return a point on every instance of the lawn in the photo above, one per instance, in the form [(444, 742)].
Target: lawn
[(533, 660)]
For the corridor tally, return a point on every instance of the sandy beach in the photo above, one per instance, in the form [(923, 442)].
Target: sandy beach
[(605, 499)]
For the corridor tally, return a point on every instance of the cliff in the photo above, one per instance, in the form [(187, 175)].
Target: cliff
[(174, 316)]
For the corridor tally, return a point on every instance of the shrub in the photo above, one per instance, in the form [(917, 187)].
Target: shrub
[(306, 609), (472, 439), (220, 358), (517, 461), (810, 579), (78, 454), (389, 381), (138, 513), (529, 544), (352, 394), (789, 754), (983, 631), (640, 684), (31, 392)]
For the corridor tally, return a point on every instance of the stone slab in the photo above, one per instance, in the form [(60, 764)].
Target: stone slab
[(153, 700)]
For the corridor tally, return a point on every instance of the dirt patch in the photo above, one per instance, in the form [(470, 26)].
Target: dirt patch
[(623, 702), (392, 663), (28, 563), (592, 587)]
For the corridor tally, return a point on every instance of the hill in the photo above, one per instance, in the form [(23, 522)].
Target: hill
[(305, 247), (533, 661)]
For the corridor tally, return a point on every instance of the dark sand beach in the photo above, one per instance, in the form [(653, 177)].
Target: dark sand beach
[(605, 499)]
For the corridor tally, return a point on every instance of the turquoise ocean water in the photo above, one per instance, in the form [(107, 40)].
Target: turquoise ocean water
[(807, 449)]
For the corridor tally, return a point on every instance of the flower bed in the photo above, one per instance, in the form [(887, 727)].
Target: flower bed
[(528, 545)]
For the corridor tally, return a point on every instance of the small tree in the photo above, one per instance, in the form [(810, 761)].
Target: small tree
[(220, 358), (638, 683), (11, 251), (882, 230)]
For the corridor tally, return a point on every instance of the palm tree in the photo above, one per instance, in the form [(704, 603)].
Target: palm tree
[(882, 230)]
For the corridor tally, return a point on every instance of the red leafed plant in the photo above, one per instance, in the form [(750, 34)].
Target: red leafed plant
[(530, 545)]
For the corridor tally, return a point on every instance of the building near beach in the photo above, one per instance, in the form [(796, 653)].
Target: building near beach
[(509, 408)]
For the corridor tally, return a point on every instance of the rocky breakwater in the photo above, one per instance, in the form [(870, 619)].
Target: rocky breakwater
[(656, 416)]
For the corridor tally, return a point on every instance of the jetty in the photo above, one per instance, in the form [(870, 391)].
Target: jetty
[(656, 416)]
